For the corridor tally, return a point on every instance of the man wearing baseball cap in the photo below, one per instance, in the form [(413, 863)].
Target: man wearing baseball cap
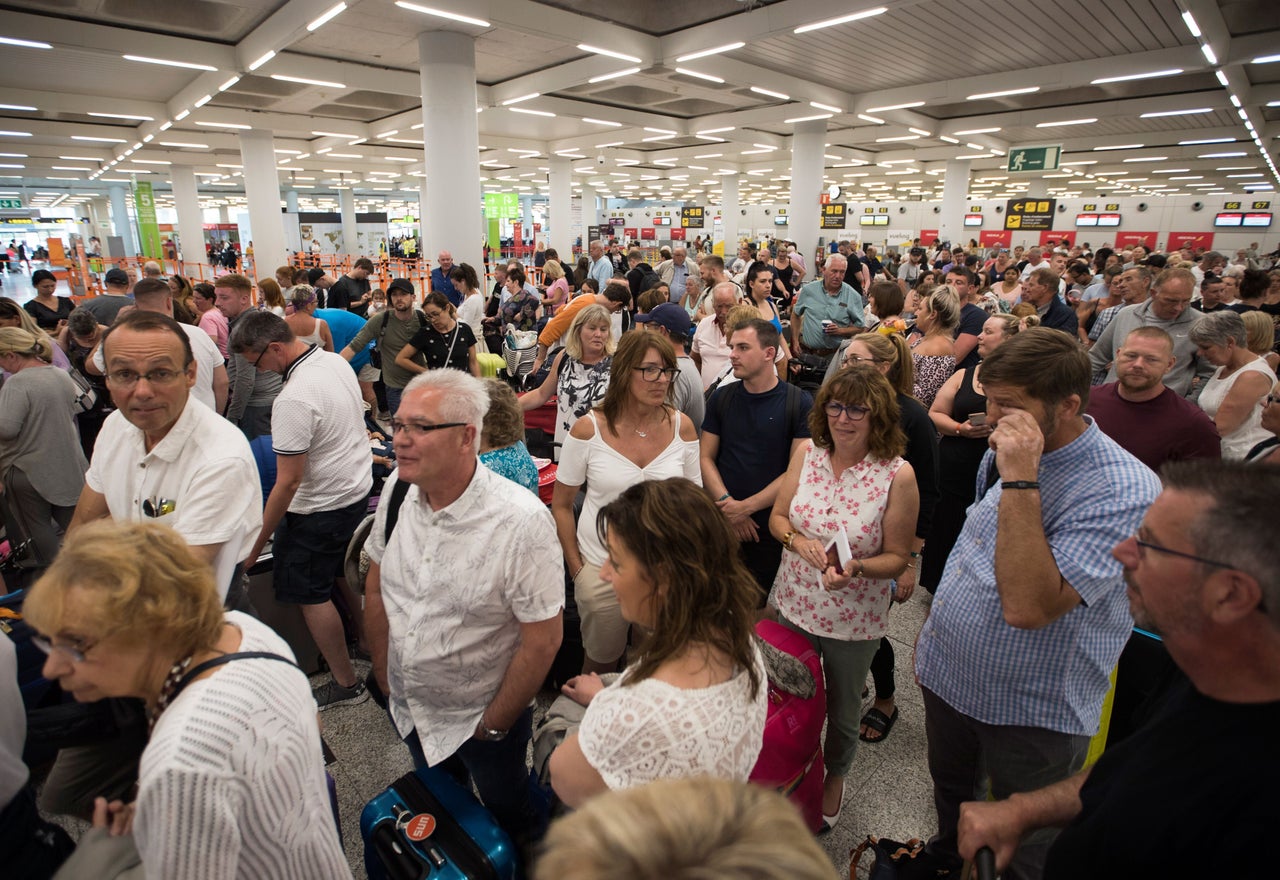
[(672, 321), (391, 330), (105, 307)]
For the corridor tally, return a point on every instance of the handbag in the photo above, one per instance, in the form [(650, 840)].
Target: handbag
[(86, 396), (895, 860)]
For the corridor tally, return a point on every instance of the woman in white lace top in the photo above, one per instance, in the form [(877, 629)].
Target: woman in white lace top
[(694, 701)]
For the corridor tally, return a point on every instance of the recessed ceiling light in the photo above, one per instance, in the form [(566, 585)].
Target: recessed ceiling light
[(843, 19), (1004, 93), (25, 108), (531, 112), (528, 97), (181, 145), (813, 118), (596, 50), (1151, 74), (696, 75), (1158, 113), (234, 125), (324, 19), (166, 62), (1085, 121), (905, 106), (85, 137), (440, 13), (1120, 147), (614, 75), (25, 44), (308, 82), (769, 93), (969, 131)]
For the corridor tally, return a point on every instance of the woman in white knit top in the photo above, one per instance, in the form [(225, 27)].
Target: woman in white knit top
[(232, 783)]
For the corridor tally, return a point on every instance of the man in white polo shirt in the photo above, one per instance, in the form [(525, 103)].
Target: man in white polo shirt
[(324, 471)]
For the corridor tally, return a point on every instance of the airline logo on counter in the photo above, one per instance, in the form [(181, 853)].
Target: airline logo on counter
[(1032, 214), (691, 217), (833, 216)]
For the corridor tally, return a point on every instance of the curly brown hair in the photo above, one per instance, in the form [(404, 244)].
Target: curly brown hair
[(688, 552), (504, 421), (861, 384)]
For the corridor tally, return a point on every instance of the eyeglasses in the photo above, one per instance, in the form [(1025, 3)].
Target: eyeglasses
[(158, 507), (859, 359), (416, 429), (652, 373), (130, 378), (1147, 545), (254, 362), (75, 651), (853, 412), (1273, 398)]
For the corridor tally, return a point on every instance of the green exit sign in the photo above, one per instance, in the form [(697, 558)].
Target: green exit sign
[(502, 206), (10, 204), (1033, 158)]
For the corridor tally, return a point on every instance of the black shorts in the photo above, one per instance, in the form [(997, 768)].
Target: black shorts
[(308, 551)]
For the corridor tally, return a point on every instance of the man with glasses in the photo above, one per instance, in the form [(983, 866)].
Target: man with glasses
[(1202, 572), (462, 640), (1030, 615), (323, 477), (162, 456), (752, 428)]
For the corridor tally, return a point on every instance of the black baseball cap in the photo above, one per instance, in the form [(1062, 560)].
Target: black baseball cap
[(117, 277), (401, 284)]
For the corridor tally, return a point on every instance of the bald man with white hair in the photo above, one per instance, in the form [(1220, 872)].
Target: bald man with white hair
[(675, 272)]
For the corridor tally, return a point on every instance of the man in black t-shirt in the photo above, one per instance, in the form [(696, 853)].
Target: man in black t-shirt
[(1202, 572), (972, 316), (351, 291), (750, 431)]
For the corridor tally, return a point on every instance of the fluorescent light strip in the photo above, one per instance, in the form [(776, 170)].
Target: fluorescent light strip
[(814, 118), (234, 125), (843, 19), (1087, 121), (615, 75), (607, 122), (334, 134), (1132, 76), (1221, 155), (229, 83), (528, 97), (1265, 59), (829, 108), (327, 17), (768, 93), (1159, 113), (693, 73), (1207, 141), (181, 145), (25, 108), (205, 100), (189, 65), (1004, 93), (25, 44), (908, 137), (308, 82), (1120, 147), (1209, 54), (440, 13), (908, 105), (596, 50), (267, 56), (85, 137), (874, 119), (969, 131), (727, 47), (531, 112)]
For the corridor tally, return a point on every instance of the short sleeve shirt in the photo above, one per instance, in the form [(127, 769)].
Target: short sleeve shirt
[(816, 305), (452, 349)]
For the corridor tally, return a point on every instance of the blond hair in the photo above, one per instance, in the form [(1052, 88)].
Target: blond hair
[(592, 314), (1260, 332), (682, 829), (136, 582), (15, 340)]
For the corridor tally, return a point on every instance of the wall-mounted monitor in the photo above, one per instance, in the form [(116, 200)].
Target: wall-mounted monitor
[(780, 221), (1255, 219), (661, 221), (866, 219), (972, 219), (1086, 220), (1228, 219), (1108, 219)]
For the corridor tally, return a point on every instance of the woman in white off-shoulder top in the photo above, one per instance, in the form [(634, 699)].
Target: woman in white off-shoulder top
[(694, 701)]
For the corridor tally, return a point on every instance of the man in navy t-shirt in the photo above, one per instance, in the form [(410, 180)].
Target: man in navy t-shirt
[(751, 429)]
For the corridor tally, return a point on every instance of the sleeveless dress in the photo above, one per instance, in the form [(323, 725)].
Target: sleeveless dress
[(822, 504), (579, 387), (1236, 445), (932, 372), (958, 462)]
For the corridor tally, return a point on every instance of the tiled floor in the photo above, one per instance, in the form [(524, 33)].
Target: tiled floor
[(888, 792)]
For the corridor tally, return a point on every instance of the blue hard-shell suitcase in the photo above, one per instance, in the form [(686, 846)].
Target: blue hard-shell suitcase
[(459, 841)]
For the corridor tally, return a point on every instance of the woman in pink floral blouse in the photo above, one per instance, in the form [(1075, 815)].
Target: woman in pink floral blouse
[(851, 477)]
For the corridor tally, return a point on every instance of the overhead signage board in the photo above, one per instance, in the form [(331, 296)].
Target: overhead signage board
[(502, 206), (691, 216), (833, 216), (10, 204), (1033, 159), (1030, 214)]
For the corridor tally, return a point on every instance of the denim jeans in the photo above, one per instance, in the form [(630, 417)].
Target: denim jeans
[(501, 777), (393, 399)]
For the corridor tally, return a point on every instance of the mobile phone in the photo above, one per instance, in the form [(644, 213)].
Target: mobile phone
[(978, 418)]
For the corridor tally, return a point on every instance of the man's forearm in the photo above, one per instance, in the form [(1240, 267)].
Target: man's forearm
[(276, 507), (523, 678), (1027, 575), (1054, 805)]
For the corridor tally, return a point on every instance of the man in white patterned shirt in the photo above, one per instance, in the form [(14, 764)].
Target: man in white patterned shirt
[(464, 599), (1031, 614)]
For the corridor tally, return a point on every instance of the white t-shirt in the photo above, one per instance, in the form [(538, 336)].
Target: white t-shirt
[(208, 359), (232, 783), (320, 412), (712, 349), (654, 730), (203, 465), (455, 602)]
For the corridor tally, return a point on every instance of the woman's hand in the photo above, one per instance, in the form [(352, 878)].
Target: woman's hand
[(906, 583), (973, 432), (811, 550), (116, 817), (582, 688)]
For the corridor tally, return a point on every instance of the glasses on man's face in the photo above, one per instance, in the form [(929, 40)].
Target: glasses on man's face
[(418, 429), (852, 412), (653, 373), (1138, 538), (125, 379), (254, 363)]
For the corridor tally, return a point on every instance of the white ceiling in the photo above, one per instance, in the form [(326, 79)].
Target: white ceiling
[(939, 52)]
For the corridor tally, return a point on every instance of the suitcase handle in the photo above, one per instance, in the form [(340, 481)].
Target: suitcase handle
[(400, 860)]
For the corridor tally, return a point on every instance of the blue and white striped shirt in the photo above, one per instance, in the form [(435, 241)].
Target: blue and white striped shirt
[(1093, 495)]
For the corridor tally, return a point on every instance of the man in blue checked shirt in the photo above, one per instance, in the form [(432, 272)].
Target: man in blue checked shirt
[(1031, 614)]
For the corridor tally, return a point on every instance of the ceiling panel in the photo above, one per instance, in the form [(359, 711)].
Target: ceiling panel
[(220, 20)]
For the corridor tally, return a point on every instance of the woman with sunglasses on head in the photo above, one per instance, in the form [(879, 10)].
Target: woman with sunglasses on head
[(850, 483), (445, 340), (635, 434), (41, 462)]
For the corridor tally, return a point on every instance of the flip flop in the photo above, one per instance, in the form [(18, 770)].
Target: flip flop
[(879, 722)]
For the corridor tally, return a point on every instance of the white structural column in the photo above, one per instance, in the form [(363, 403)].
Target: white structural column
[(560, 220), (955, 195), (347, 205), (100, 211), (120, 223), (186, 202), (291, 201), (730, 213), (451, 215), (807, 163), (262, 191)]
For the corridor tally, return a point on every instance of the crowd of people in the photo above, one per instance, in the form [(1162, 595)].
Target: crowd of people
[(1055, 445)]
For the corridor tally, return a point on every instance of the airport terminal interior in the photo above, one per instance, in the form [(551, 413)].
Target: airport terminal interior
[(218, 135)]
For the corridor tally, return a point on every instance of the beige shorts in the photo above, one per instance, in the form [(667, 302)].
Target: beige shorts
[(604, 632), (369, 373)]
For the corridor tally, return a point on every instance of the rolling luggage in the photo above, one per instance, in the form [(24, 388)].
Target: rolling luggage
[(428, 827), (791, 758)]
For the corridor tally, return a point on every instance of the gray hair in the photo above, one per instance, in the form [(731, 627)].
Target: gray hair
[(256, 329), (1218, 328), (81, 322), (1241, 527), (463, 397)]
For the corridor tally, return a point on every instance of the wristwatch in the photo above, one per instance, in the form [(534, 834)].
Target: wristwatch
[(488, 734)]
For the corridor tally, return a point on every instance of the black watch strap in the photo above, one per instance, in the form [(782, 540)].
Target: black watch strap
[(1020, 484)]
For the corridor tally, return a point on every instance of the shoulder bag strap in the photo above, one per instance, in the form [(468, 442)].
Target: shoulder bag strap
[(226, 658)]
